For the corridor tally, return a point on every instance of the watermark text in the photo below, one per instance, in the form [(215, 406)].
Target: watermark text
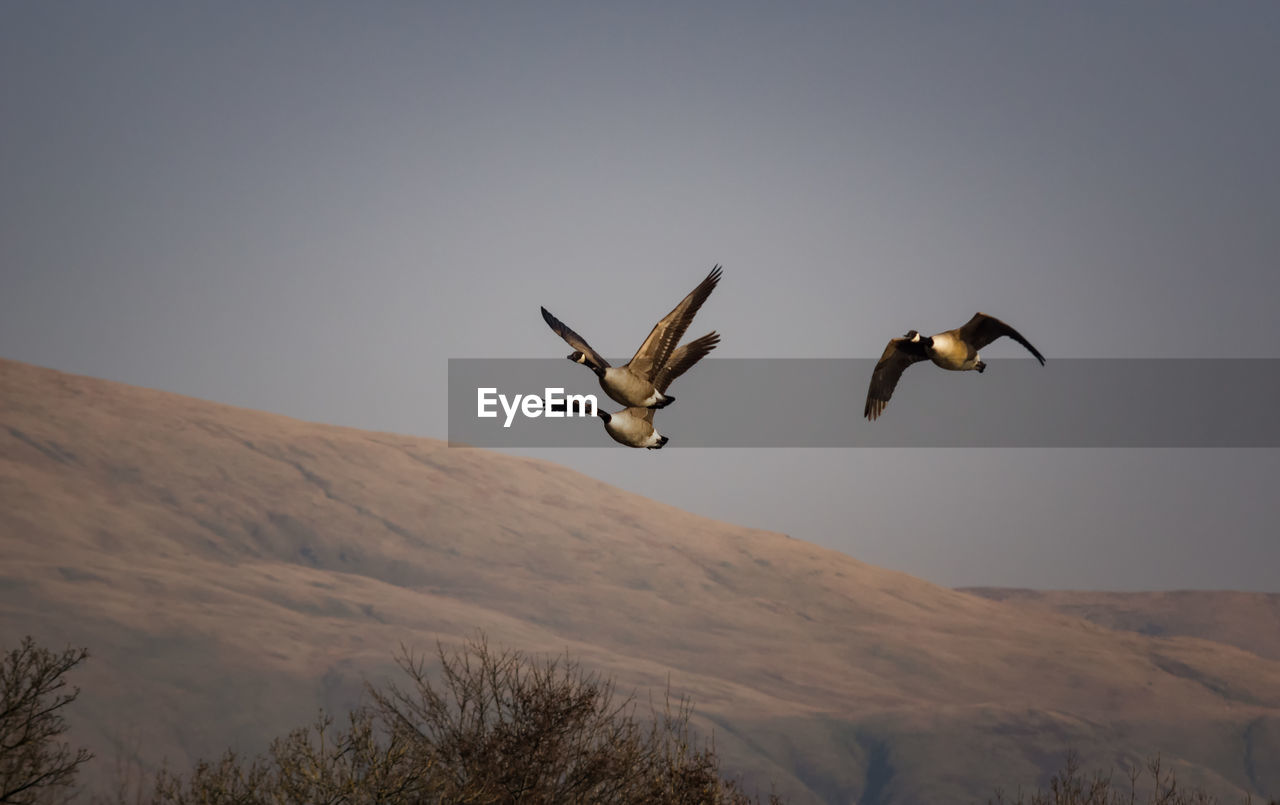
[(553, 404)]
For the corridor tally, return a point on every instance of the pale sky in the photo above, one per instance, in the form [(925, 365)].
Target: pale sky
[(309, 208)]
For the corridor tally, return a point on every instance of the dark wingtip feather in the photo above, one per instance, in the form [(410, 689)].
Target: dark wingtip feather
[(555, 324), (873, 410), (1035, 352)]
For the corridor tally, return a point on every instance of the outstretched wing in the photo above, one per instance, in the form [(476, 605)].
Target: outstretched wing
[(898, 355), (574, 340), (657, 348), (983, 329), (684, 358)]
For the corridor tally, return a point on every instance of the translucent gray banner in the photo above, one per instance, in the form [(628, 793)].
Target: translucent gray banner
[(786, 402)]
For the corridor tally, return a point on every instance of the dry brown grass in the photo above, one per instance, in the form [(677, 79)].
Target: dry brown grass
[(1250, 621)]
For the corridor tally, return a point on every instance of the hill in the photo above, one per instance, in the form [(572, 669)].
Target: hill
[(1250, 621), (231, 570)]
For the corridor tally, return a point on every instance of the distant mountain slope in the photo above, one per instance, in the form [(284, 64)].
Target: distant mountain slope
[(231, 570), (1250, 621)]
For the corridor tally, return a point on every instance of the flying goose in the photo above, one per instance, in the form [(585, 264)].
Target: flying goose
[(634, 385), (633, 426), (956, 350)]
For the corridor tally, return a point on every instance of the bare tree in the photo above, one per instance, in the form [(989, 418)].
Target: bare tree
[(353, 766), (492, 727), (503, 727), (225, 781), (314, 764), (34, 765)]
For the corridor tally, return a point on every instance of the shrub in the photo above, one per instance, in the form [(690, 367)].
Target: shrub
[(1154, 785), (496, 727)]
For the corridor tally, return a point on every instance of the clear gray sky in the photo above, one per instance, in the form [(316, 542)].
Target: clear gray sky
[(309, 207)]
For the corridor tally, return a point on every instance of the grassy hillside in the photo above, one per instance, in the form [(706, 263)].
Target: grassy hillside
[(1250, 621), (232, 570)]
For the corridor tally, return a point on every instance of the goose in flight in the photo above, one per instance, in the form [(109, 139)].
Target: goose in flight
[(956, 350), (633, 426), (635, 384)]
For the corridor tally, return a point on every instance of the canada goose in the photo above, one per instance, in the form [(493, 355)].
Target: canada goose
[(633, 426), (956, 350), (633, 385)]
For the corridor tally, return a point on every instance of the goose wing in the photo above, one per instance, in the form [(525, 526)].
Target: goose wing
[(898, 355), (657, 348), (983, 329), (573, 339), (683, 359), (639, 413)]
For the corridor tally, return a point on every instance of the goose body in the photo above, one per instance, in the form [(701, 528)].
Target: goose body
[(955, 350), (949, 351), (634, 384), (624, 385), (633, 425)]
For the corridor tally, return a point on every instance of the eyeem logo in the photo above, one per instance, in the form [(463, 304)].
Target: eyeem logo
[(554, 404)]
